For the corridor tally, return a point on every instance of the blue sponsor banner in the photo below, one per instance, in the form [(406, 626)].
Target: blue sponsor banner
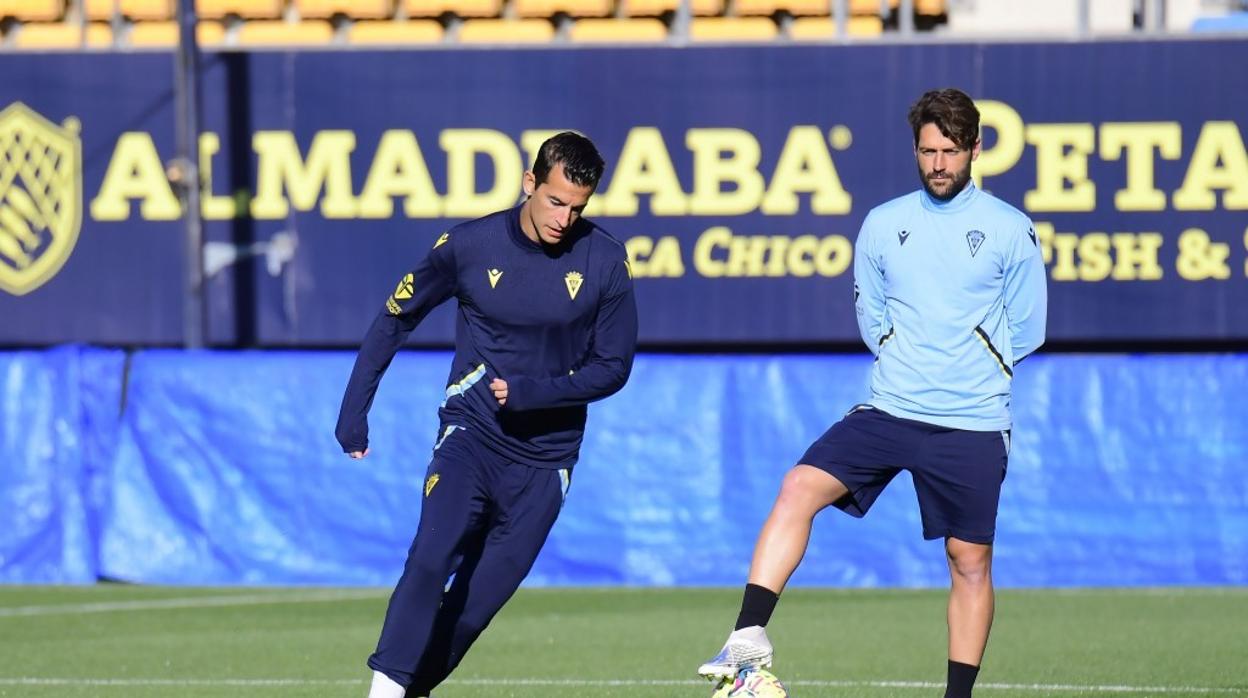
[(738, 177)]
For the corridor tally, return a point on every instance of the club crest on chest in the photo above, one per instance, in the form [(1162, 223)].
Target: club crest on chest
[(974, 239), (573, 281)]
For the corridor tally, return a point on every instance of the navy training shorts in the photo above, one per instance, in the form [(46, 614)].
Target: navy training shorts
[(957, 473)]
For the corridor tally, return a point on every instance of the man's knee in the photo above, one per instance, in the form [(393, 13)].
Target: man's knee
[(806, 490), (969, 562), (430, 562)]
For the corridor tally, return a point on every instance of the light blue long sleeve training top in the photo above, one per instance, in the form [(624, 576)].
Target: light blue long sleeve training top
[(950, 296)]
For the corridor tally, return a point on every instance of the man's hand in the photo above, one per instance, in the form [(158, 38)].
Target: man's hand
[(358, 454), (499, 386)]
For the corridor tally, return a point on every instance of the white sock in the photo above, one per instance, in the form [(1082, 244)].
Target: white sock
[(385, 687)]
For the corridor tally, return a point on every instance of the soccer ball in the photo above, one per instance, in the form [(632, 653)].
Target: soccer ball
[(751, 683)]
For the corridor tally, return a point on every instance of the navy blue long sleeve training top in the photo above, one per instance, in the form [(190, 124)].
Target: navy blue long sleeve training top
[(558, 323)]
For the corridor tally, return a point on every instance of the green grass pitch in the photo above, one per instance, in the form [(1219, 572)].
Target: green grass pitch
[(111, 641)]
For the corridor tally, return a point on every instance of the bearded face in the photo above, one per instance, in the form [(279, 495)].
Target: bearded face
[(944, 166)]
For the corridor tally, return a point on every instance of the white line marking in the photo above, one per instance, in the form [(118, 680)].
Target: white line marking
[(1162, 592), (193, 602), (587, 683), (37, 681)]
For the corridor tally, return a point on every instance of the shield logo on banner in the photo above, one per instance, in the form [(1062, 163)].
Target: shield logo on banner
[(40, 197)]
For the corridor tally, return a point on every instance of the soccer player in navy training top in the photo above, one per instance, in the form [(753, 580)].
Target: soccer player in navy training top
[(950, 294), (546, 324)]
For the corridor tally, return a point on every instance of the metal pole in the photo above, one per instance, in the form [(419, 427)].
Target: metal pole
[(1085, 18), (1156, 21), (684, 18), (80, 21), (840, 13), (905, 17), (186, 173)]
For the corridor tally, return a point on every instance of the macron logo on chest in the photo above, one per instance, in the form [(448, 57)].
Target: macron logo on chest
[(495, 275)]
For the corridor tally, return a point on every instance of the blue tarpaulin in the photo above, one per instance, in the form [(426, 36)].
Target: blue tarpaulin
[(1125, 470), (58, 415)]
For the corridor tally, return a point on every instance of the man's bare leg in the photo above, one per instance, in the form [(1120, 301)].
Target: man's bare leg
[(805, 492), (970, 612)]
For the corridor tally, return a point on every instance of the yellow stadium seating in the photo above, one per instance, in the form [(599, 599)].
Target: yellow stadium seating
[(864, 26), (134, 9), (33, 10), (654, 8), (463, 8), (310, 32), (922, 7), (618, 30), (412, 31), (732, 29), (865, 7), (358, 9), (247, 9), (575, 8), (165, 34), (62, 35), (747, 8), (506, 31), (824, 28)]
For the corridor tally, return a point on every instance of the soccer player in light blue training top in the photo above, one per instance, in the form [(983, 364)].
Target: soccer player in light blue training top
[(949, 287)]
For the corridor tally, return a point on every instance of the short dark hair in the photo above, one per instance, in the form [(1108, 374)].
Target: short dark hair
[(582, 164), (952, 111)]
